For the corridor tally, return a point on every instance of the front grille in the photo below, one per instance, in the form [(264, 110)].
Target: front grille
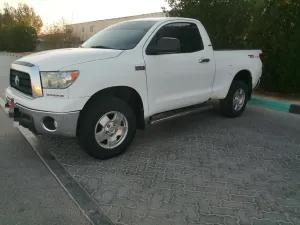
[(24, 84)]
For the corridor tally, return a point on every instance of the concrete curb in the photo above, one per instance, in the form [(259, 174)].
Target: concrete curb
[(276, 105), (88, 206), (295, 109), (10, 54)]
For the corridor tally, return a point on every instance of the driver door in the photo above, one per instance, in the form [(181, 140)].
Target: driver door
[(181, 79)]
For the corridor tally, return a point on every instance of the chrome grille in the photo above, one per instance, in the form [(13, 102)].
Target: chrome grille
[(21, 81)]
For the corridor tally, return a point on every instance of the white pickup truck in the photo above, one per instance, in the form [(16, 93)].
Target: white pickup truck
[(126, 76)]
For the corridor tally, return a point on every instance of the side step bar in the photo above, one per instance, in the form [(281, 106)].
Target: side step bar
[(179, 112)]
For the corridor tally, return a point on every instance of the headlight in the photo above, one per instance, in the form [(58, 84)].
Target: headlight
[(58, 80)]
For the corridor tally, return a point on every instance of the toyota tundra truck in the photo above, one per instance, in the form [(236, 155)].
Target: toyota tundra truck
[(125, 77)]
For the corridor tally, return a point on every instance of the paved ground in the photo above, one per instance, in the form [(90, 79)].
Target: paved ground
[(29, 193), (201, 169), (5, 62)]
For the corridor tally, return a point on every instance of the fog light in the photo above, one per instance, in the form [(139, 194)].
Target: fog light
[(50, 124)]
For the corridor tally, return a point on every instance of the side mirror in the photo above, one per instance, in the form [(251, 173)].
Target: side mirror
[(165, 45)]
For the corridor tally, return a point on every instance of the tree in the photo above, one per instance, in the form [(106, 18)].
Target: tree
[(59, 35), (18, 28), (225, 20), (280, 22), (6, 17), (23, 14), (270, 25)]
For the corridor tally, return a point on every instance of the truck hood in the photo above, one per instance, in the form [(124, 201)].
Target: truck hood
[(54, 60)]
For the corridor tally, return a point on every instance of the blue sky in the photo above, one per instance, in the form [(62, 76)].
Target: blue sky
[(87, 10)]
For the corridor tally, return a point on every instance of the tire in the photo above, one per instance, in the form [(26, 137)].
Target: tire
[(227, 106), (103, 111)]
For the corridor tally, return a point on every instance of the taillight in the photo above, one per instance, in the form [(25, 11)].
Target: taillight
[(262, 57)]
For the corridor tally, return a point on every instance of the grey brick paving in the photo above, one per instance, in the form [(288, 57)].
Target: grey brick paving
[(200, 169)]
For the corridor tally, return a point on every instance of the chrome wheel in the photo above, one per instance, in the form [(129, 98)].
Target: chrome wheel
[(111, 130), (239, 99)]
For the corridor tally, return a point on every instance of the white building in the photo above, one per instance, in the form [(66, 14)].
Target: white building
[(85, 30)]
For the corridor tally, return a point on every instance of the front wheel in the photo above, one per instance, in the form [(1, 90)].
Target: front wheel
[(107, 128), (236, 100)]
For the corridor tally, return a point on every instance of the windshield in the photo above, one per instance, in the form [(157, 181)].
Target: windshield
[(121, 36)]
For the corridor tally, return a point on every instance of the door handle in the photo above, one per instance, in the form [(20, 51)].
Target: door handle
[(204, 60)]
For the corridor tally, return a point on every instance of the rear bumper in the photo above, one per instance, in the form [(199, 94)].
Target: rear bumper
[(34, 120)]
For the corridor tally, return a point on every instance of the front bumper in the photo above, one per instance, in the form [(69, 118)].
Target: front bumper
[(34, 120)]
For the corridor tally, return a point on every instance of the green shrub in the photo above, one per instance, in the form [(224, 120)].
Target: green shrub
[(18, 38), (277, 31)]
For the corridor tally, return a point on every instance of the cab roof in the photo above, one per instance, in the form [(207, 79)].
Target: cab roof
[(163, 19)]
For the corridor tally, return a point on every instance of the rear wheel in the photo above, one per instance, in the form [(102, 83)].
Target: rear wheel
[(236, 100), (107, 128)]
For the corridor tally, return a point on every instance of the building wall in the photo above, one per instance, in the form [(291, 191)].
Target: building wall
[(85, 30)]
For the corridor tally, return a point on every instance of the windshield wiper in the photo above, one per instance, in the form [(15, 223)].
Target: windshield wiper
[(101, 46)]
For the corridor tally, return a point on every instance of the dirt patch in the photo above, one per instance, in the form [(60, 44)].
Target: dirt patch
[(293, 99)]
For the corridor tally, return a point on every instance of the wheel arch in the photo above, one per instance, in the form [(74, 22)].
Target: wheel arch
[(128, 94), (245, 76)]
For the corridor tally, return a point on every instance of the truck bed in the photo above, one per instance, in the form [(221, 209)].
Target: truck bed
[(229, 63)]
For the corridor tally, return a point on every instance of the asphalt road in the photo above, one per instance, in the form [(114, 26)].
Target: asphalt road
[(5, 62), (29, 193)]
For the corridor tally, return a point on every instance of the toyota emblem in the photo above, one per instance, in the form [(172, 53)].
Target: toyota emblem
[(17, 80)]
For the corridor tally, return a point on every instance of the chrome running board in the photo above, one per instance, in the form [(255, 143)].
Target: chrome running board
[(157, 118)]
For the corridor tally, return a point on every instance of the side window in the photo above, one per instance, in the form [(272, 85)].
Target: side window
[(187, 33)]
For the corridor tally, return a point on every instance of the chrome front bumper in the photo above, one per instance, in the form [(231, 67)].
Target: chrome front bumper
[(34, 120)]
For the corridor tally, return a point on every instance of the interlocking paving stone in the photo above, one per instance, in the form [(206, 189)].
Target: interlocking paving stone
[(199, 169), (243, 217), (264, 222), (192, 213), (222, 211), (275, 216), (231, 220)]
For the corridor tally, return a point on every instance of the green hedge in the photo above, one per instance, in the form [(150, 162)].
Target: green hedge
[(279, 37), (17, 38)]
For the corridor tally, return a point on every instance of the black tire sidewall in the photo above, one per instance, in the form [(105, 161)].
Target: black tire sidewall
[(227, 103), (92, 116)]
